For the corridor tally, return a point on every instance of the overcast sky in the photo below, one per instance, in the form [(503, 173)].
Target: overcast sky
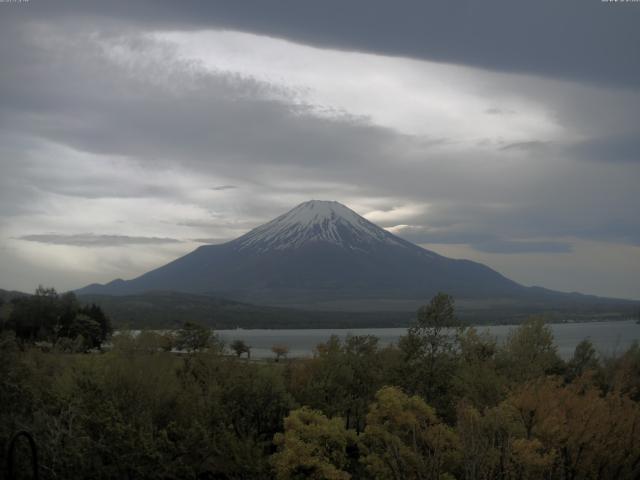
[(499, 131)]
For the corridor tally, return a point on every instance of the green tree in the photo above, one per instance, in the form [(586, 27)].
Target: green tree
[(529, 352), (96, 313), (430, 352), (365, 366), (228, 413), (68, 308), (36, 317), (342, 378), (584, 359), (152, 342), (86, 328), (194, 337), (476, 379), (322, 382), (240, 348)]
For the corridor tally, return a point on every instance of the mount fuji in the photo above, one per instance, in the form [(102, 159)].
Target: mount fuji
[(322, 254)]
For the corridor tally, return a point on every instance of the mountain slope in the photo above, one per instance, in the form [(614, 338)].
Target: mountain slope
[(324, 255), (319, 251)]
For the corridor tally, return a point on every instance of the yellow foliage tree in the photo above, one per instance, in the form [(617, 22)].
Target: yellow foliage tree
[(404, 439), (312, 447)]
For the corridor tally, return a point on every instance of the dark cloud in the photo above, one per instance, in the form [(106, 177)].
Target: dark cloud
[(88, 103), (522, 246), (590, 41), (426, 234), (530, 146), (210, 241), (499, 111), (94, 240), (100, 186), (614, 149), (223, 223), (482, 242), (224, 187)]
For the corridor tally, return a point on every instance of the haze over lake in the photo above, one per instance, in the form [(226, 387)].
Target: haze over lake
[(607, 337)]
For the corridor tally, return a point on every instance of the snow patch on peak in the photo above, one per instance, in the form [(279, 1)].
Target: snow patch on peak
[(317, 212), (318, 221)]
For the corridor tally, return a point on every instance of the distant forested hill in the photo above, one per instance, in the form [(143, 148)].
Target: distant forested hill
[(163, 309), (8, 295), (171, 309)]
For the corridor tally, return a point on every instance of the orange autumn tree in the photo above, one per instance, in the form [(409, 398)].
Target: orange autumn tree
[(580, 432)]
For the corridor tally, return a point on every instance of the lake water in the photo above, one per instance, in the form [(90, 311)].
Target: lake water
[(608, 337)]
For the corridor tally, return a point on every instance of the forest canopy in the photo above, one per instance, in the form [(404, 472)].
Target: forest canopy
[(445, 402)]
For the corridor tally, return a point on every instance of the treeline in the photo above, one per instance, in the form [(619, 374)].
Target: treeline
[(51, 319), (446, 402)]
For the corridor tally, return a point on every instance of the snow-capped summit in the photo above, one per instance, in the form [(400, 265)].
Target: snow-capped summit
[(317, 221)]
